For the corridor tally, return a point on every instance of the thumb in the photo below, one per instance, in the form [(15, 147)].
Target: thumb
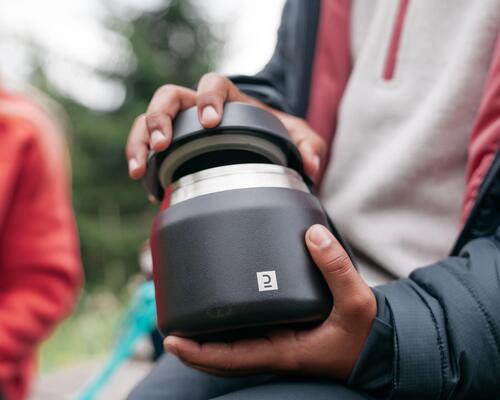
[(349, 290)]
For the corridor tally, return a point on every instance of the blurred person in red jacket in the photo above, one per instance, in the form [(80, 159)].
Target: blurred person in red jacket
[(40, 270)]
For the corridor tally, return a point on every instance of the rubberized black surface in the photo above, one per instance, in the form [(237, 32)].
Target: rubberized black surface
[(207, 252)]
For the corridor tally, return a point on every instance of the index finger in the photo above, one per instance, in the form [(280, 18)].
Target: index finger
[(213, 91), (164, 106)]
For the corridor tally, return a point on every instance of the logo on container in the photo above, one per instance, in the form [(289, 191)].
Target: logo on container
[(266, 280)]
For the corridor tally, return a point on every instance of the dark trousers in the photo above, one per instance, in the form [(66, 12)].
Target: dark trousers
[(170, 379)]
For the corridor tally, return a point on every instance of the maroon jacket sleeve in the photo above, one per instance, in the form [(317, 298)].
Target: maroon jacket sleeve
[(485, 138)]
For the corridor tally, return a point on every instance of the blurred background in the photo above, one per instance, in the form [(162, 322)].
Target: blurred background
[(95, 64)]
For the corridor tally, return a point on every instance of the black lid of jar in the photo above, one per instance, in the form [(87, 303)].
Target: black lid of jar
[(244, 129)]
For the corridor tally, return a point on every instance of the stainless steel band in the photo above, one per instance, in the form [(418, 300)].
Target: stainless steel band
[(236, 176)]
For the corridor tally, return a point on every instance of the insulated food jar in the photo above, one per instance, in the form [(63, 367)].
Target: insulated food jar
[(229, 257)]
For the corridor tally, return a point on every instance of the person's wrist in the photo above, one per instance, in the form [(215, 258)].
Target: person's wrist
[(373, 370)]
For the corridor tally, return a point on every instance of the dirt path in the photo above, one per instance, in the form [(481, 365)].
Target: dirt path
[(66, 384)]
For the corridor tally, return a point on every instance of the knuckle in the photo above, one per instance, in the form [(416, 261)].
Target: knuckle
[(317, 142), (139, 119), (339, 263), (361, 305), (157, 120), (305, 145), (166, 89), (212, 96), (320, 142), (212, 88), (211, 76), (153, 118), (297, 123)]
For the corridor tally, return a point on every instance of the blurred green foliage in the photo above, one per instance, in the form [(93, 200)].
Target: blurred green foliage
[(173, 44), (88, 333)]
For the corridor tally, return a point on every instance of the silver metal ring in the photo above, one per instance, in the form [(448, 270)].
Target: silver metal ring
[(233, 177)]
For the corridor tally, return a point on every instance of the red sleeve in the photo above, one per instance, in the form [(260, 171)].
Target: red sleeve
[(40, 270), (331, 70), (485, 138)]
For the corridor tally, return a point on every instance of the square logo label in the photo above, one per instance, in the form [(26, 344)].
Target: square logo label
[(267, 281)]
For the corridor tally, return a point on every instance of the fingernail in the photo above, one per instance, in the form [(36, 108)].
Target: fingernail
[(209, 114), (316, 161), (169, 344), (133, 164), (320, 236), (157, 137)]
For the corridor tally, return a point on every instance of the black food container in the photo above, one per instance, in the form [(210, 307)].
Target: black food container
[(229, 257)]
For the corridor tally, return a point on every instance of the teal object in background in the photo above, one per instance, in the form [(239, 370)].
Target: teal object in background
[(139, 321)]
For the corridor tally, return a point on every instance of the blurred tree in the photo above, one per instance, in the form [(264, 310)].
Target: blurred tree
[(173, 44)]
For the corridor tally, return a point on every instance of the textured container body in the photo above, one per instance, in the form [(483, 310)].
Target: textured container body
[(210, 253)]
